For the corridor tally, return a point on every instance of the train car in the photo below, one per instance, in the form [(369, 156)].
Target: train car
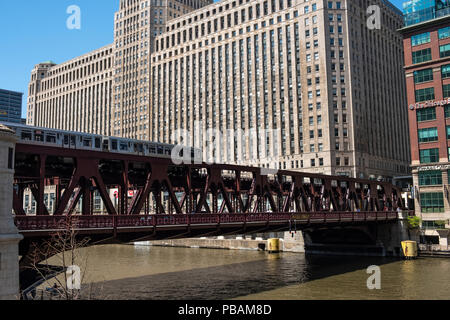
[(86, 141)]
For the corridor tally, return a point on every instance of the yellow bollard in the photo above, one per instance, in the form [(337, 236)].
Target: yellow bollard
[(273, 245), (409, 249)]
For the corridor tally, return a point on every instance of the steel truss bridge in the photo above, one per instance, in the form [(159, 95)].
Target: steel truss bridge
[(187, 199)]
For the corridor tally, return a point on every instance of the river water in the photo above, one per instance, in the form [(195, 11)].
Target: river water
[(143, 272)]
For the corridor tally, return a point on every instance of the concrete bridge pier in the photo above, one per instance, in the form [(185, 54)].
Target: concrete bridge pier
[(391, 235), (378, 239), (9, 236)]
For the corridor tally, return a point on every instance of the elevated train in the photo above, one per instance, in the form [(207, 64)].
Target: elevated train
[(86, 141)]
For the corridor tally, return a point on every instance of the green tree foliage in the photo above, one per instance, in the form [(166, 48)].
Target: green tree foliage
[(440, 224), (413, 222)]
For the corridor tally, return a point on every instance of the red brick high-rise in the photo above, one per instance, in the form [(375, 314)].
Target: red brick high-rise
[(427, 67)]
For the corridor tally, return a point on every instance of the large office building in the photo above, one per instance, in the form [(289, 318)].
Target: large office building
[(137, 23), (74, 95), (309, 83), (10, 106), (105, 91), (292, 84), (427, 66)]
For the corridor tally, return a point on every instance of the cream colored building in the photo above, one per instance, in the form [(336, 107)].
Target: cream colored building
[(312, 71), (106, 91), (74, 95), (9, 236), (327, 89), (137, 23)]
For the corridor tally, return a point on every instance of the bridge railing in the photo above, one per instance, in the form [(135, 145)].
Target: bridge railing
[(36, 223)]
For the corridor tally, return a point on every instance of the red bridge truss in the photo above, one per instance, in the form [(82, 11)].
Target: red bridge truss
[(160, 187)]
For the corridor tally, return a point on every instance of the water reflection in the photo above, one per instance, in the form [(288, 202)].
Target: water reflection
[(127, 272)]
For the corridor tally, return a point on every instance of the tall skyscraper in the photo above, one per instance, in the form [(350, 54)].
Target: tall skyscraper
[(311, 84), (137, 23), (74, 95), (106, 91), (427, 66), (293, 84)]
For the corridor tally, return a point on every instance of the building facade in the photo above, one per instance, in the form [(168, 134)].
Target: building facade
[(427, 66), (75, 95), (137, 23), (290, 84), (10, 106), (106, 90), (306, 84)]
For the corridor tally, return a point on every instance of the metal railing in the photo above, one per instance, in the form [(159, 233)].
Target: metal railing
[(55, 223)]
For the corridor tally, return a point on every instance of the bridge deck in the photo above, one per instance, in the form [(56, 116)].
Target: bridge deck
[(32, 226)]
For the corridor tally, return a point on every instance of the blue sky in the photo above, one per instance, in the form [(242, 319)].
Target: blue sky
[(34, 31)]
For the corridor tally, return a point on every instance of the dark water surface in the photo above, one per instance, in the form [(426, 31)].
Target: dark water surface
[(129, 272)]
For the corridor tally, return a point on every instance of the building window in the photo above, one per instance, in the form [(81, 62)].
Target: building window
[(447, 111), (424, 94), (445, 71), (446, 90), (432, 202), (430, 178), (10, 158), (423, 75), (429, 155), (419, 39), (444, 51), (444, 33), (428, 135), (421, 55), (448, 132), (431, 225)]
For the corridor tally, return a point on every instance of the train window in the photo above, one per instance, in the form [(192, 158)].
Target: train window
[(87, 143), (139, 147), (38, 136), (26, 135), (152, 149), (50, 139), (97, 143), (73, 140), (124, 146), (105, 145), (66, 139), (167, 151), (114, 144), (160, 150)]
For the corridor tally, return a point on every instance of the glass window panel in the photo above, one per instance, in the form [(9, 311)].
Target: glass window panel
[(426, 114), (430, 178), (419, 39), (428, 135), (429, 155), (432, 202), (444, 33), (424, 94), (423, 75)]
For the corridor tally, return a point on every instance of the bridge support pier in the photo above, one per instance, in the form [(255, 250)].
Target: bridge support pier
[(391, 235), (293, 242), (9, 236), (377, 239)]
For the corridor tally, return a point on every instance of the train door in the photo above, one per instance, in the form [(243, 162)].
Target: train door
[(69, 141), (105, 145)]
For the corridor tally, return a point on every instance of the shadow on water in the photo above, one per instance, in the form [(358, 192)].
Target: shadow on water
[(235, 280)]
